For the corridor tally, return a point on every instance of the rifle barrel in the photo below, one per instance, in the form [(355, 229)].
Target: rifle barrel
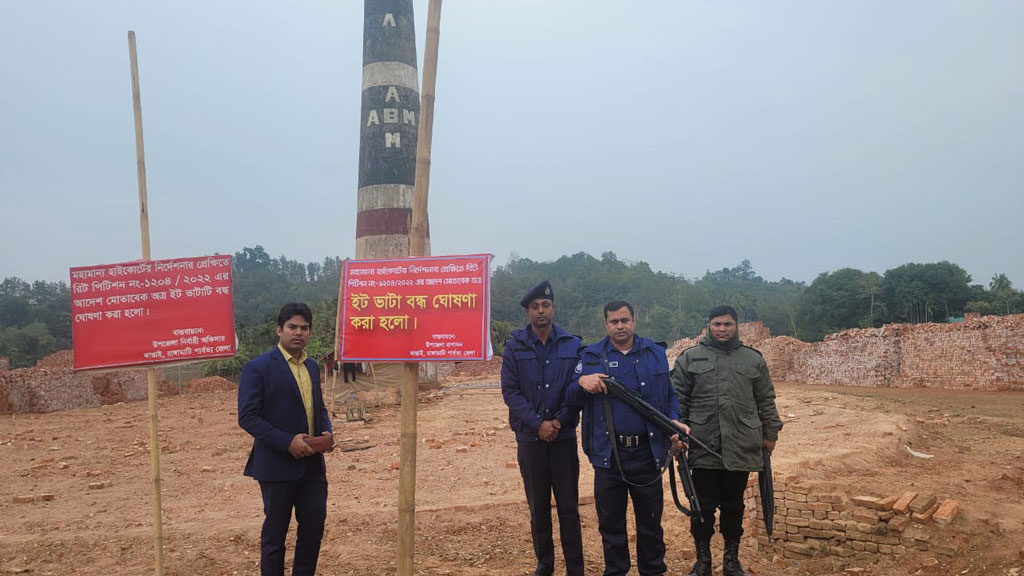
[(620, 391)]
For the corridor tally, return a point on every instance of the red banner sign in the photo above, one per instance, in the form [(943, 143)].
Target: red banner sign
[(150, 312), (416, 309)]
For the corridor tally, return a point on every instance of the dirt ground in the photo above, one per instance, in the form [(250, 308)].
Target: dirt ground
[(471, 512)]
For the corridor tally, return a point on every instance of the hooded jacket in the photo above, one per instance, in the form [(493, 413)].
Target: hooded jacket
[(727, 398)]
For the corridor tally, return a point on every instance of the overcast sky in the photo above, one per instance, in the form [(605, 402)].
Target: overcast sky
[(803, 136)]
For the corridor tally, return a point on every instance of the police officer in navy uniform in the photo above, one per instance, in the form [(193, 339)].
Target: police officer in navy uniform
[(633, 470), (536, 368)]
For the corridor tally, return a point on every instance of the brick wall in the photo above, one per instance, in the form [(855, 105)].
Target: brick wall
[(54, 386), (823, 520), (751, 333), (851, 358), (982, 352), (59, 359)]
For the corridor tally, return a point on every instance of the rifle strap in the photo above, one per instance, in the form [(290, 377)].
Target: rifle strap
[(675, 491), (615, 449)]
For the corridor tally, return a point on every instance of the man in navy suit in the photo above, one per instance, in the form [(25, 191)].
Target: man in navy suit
[(280, 403)]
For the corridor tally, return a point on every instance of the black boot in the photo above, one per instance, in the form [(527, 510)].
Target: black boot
[(731, 559), (702, 567)]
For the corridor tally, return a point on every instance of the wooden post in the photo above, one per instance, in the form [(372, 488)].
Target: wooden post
[(154, 436), (417, 247), (337, 354), (418, 229)]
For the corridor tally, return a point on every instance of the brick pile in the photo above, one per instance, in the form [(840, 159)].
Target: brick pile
[(860, 357), (52, 386), (59, 359), (677, 348), (823, 520), (464, 371), (753, 334), (211, 384), (779, 352), (982, 352)]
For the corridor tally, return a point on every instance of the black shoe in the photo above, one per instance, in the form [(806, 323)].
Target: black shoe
[(731, 559), (702, 567)]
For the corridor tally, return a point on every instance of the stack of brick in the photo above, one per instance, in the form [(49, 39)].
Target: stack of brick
[(982, 352), (851, 358), (779, 353), (822, 520), (57, 387), (59, 359), (677, 348), (752, 334), (210, 384)]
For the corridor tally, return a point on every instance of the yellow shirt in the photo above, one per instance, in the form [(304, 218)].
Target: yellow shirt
[(301, 373)]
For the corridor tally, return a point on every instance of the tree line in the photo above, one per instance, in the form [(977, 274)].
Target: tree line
[(35, 318), (670, 307)]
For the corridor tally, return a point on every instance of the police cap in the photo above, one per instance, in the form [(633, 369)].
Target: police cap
[(542, 290)]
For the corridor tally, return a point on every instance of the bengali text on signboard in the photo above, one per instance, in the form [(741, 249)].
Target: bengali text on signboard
[(149, 312), (416, 309)]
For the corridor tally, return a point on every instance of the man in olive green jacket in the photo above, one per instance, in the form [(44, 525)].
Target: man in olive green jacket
[(727, 398)]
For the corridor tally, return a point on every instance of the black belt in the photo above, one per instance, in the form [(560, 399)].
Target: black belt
[(631, 441)]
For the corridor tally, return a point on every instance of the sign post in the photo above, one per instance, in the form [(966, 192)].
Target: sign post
[(417, 247), (411, 310), (435, 308), (154, 439)]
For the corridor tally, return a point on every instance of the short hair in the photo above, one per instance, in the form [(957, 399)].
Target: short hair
[(294, 309), (722, 311), (617, 305)]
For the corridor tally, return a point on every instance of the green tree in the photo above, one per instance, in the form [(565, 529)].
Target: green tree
[(501, 330), (1004, 299), (926, 292), (24, 346), (846, 298)]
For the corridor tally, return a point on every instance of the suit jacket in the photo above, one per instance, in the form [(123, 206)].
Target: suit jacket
[(270, 409)]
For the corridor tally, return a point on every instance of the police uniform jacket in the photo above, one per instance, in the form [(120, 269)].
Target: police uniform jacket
[(655, 388), (727, 398), (534, 388)]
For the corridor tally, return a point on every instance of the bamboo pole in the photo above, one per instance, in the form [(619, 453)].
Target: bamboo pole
[(337, 354), (154, 435), (417, 247), (418, 230)]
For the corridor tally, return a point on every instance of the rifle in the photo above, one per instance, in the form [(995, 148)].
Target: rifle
[(650, 413)]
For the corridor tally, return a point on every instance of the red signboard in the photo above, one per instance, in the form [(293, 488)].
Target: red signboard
[(416, 309), (150, 312)]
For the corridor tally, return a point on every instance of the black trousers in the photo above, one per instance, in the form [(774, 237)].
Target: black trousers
[(610, 497), (721, 489), (549, 467), (308, 497), (348, 368)]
